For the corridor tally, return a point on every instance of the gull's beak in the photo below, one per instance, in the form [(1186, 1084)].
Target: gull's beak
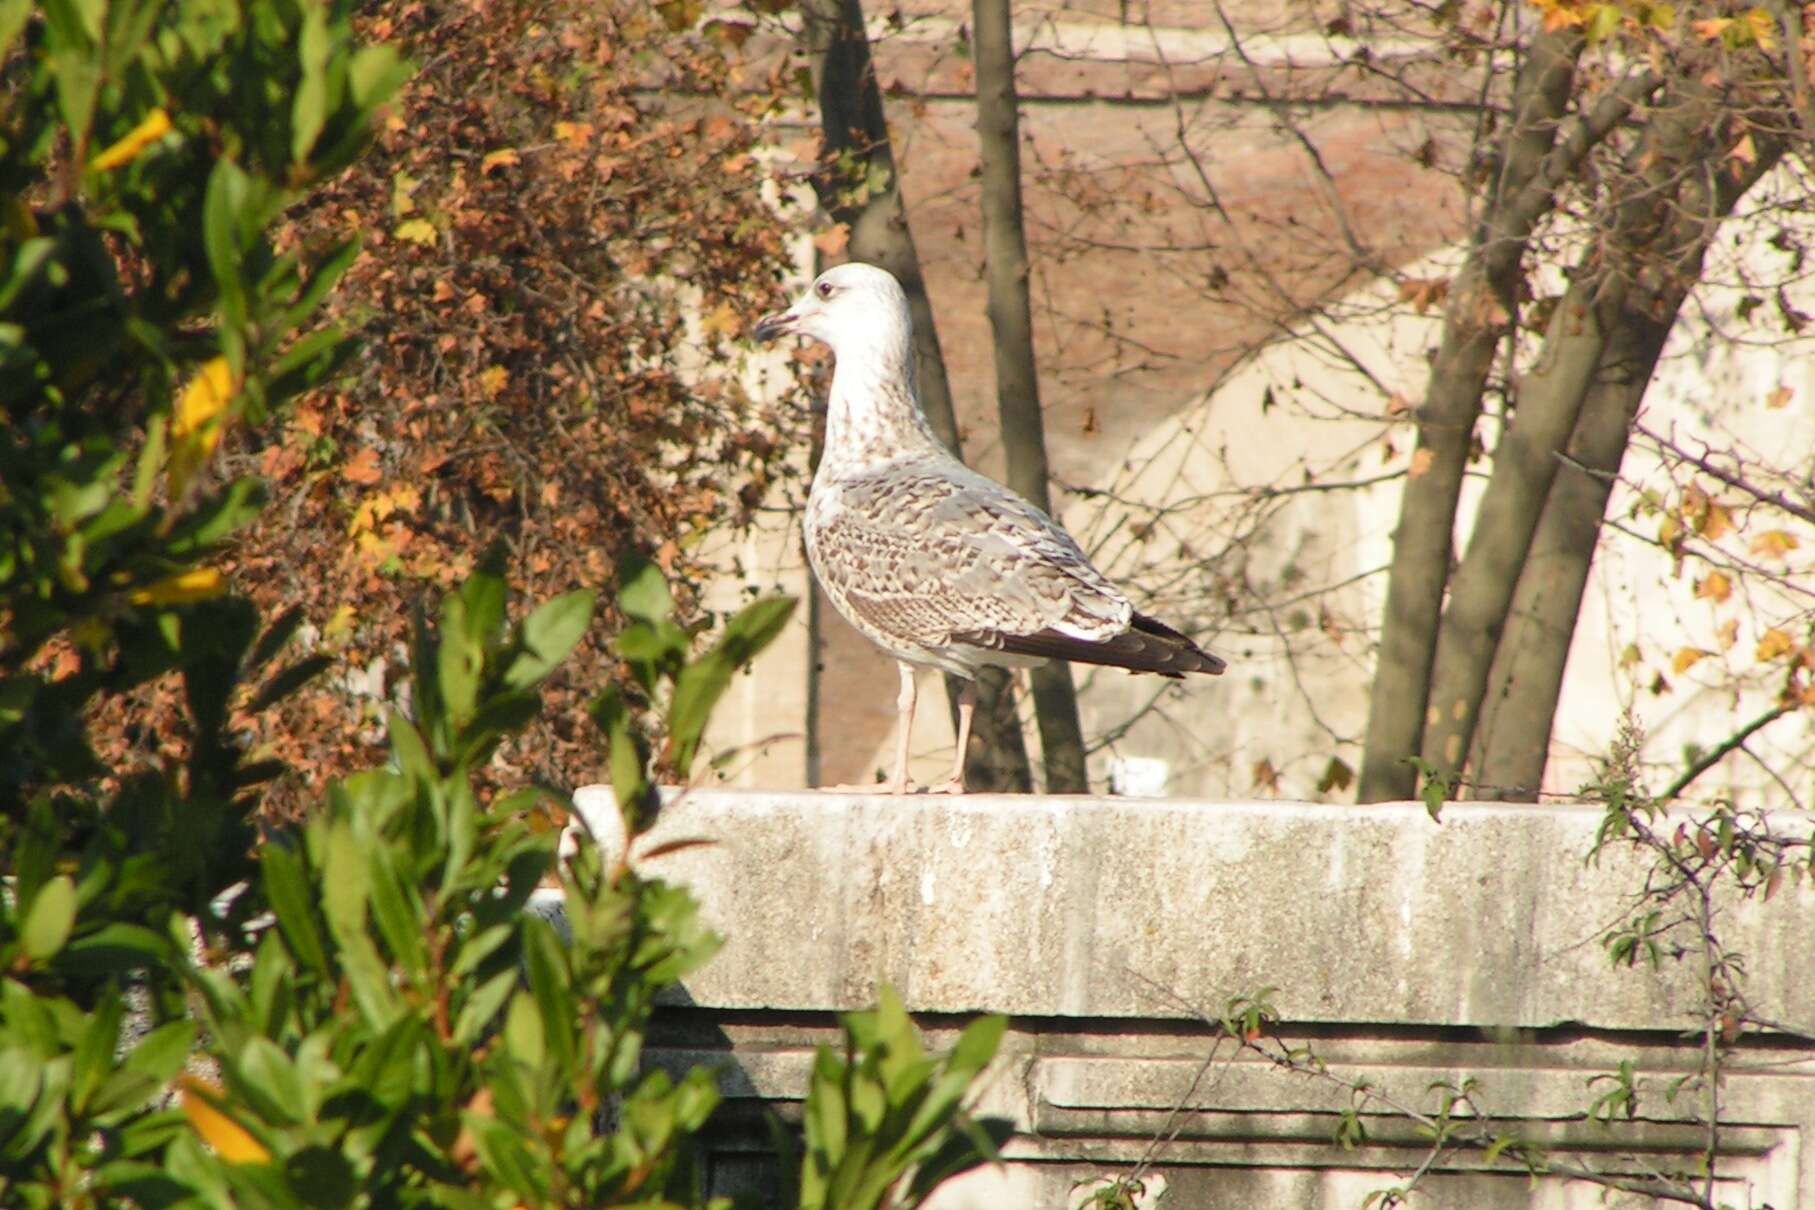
[(771, 326)]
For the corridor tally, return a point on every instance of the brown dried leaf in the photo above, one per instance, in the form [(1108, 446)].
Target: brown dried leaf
[(363, 468)]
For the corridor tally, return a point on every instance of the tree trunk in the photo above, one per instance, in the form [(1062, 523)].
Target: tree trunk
[(854, 131), (1512, 742), (1666, 229), (1017, 384), (1524, 464), (1482, 302)]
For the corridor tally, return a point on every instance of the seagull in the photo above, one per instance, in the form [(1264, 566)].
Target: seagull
[(936, 564)]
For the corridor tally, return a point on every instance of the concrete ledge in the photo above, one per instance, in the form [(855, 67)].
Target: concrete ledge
[(1404, 950)]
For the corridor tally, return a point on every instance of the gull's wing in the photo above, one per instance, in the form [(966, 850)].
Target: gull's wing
[(938, 556)]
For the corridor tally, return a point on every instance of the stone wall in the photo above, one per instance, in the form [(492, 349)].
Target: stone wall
[(1402, 951)]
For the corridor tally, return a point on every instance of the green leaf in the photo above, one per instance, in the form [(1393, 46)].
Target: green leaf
[(271, 1083), (410, 749), (701, 683), (309, 109), (643, 591), (375, 74), (75, 67), (222, 211), (460, 658), (477, 1014), (13, 15), (287, 889), (548, 635), (52, 915), (114, 948)]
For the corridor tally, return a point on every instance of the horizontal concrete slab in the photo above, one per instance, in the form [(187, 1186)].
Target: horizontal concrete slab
[(1119, 908)]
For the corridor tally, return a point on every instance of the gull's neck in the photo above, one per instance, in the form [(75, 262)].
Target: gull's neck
[(873, 414)]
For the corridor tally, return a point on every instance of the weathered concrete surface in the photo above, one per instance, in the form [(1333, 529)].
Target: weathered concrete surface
[(1405, 952), (1110, 907)]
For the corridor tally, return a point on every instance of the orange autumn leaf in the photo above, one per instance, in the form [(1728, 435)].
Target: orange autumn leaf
[(1775, 543), (363, 467), (1687, 658), (1715, 586), (1714, 521), (231, 1141), (1424, 292), (833, 240), (1421, 462), (1773, 643)]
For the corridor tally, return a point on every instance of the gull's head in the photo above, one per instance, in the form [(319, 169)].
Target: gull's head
[(855, 308)]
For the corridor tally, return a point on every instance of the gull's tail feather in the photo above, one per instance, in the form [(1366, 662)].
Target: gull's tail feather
[(1146, 646)]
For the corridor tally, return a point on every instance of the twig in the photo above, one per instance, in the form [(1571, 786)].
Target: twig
[(1713, 756), (1732, 479)]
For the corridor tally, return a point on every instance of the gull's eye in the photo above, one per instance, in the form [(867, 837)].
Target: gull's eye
[(823, 289)]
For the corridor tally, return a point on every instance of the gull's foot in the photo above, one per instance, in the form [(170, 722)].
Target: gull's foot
[(951, 785)]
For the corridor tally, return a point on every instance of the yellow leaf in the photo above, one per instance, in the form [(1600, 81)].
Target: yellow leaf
[(1687, 658), (503, 158), (1773, 643), (196, 584), (204, 399), (153, 127), (492, 380), (1668, 530), (1775, 543), (1728, 633), (721, 320), (231, 1141), (1761, 27), (1714, 521), (574, 134), (340, 625), (417, 231), (1715, 586), (195, 426)]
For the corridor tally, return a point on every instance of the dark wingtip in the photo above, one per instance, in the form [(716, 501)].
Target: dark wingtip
[(1146, 646)]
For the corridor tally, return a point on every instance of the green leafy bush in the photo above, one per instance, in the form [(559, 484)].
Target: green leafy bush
[(360, 1011)]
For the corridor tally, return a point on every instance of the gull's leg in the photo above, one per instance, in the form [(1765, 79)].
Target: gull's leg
[(904, 709), (967, 706)]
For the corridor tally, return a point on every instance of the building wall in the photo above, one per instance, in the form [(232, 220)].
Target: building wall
[(1167, 401)]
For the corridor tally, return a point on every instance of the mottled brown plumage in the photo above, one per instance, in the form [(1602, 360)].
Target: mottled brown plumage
[(933, 562)]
